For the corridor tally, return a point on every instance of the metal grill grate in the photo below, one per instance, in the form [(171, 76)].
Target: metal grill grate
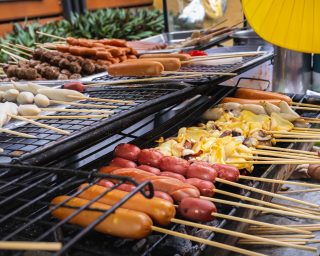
[(17, 147)]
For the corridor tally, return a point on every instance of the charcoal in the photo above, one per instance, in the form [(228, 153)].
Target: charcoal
[(140, 245)]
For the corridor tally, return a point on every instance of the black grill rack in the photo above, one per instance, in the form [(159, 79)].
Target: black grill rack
[(239, 67), (25, 198), (48, 144)]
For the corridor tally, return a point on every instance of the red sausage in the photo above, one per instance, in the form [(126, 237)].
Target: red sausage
[(173, 175), (105, 183), (163, 196), (197, 209), (126, 187), (109, 169), (76, 86), (227, 172), (148, 168), (127, 151), (202, 171), (121, 162), (183, 193), (205, 187), (174, 164), (150, 157)]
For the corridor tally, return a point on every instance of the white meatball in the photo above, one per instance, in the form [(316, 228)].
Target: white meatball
[(25, 98), (41, 101), (29, 110), (11, 95)]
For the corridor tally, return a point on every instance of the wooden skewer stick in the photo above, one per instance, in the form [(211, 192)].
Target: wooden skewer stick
[(16, 50), (253, 200), (241, 235), (81, 104), (20, 134), (22, 47), (305, 108), (305, 104), (260, 208), (267, 193), (53, 36), (202, 73), (34, 246), (207, 242), (296, 136), (260, 243), (77, 110), (297, 140), (262, 224), (302, 208), (101, 100), (14, 55), (305, 129), (286, 154), (66, 117), (299, 191), (40, 124), (141, 80), (261, 157), (275, 162), (293, 132), (303, 184), (288, 150)]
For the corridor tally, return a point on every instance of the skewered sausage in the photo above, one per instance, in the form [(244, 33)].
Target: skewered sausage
[(174, 164), (76, 86), (127, 151), (150, 157), (227, 172), (123, 223), (145, 68), (206, 188), (202, 171), (181, 56), (148, 168), (246, 93), (169, 64), (60, 94), (163, 195), (121, 162), (172, 175), (197, 209), (250, 101), (161, 211)]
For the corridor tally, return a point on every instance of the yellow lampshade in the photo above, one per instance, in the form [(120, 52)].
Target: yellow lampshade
[(291, 24)]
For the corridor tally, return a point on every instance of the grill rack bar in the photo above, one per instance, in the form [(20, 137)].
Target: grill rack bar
[(71, 178)]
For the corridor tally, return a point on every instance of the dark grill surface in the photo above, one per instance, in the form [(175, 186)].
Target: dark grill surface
[(18, 147)]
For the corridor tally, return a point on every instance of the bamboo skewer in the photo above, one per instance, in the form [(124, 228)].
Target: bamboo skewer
[(207, 242), (296, 136), (101, 100), (286, 154), (81, 104), (297, 140), (260, 208), (22, 47), (275, 162), (260, 243), (16, 57), (299, 191), (253, 200), (305, 104), (306, 129), (305, 108), (304, 184), (66, 117), (287, 150), (20, 134), (263, 157), (40, 124), (197, 72), (311, 211), (34, 246), (17, 50), (52, 36), (77, 110), (241, 235), (262, 224), (267, 193)]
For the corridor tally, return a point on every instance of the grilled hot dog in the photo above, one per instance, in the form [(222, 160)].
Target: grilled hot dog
[(250, 101), (169, 64), (144, 68), (181, 56), (122, 223)]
